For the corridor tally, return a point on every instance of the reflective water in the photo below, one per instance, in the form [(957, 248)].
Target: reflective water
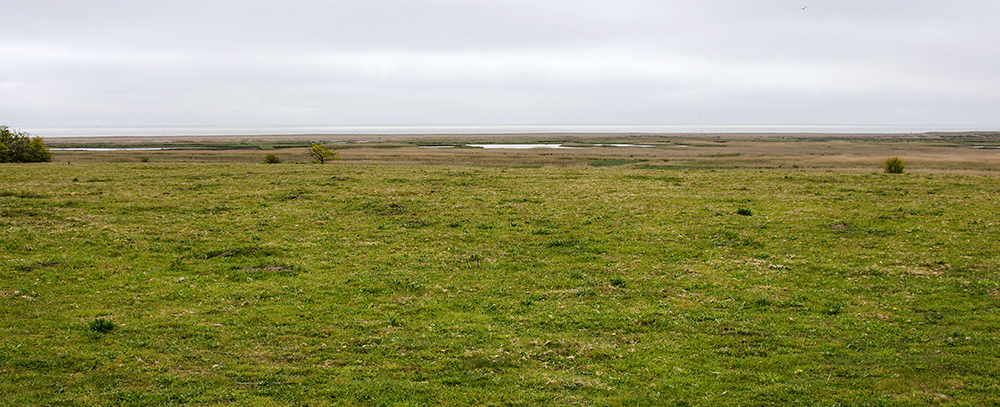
[(119, 148), (518, 146)]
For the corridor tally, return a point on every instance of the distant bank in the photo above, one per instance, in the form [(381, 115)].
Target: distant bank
[(188, 131)]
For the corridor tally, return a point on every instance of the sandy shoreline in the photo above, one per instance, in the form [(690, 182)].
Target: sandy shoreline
[(564, 137)]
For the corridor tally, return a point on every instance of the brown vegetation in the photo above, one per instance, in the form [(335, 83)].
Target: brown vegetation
[(953, 154)]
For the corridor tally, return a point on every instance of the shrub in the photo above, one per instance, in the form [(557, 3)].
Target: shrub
[(893, 166), (272, 159), (18, 147), (321, 154), (744, 212)]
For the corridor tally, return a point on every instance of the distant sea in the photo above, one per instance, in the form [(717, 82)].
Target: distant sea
[(95, 131)]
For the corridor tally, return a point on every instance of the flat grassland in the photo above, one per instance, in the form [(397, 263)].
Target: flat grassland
[(732, 271), (932, 153)]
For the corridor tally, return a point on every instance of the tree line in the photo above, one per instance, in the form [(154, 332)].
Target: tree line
[(18, 147)]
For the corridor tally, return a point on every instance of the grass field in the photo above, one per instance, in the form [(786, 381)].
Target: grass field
[(608, 281)]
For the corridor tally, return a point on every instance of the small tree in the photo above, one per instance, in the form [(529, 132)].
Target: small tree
[(4, 152), (321, 154), (18, 147), (893, 166), (272, 159)]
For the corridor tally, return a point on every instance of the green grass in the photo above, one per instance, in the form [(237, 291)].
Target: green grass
[(255, 284), (612, 163)]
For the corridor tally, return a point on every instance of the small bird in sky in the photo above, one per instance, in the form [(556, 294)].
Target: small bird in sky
[(804, 7)]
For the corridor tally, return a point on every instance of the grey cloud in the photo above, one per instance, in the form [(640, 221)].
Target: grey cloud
[(513, 62)]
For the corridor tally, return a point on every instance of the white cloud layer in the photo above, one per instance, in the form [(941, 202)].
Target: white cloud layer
[(499, 62)]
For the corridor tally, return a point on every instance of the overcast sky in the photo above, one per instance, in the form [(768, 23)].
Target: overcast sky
[(467, 62)]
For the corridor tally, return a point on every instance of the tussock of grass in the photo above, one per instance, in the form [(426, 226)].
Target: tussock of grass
[(101, 326)]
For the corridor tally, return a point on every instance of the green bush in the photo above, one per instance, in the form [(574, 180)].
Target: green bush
[(893, 166), (18, 147), (744, 212), (272, 159), (321, 154)]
